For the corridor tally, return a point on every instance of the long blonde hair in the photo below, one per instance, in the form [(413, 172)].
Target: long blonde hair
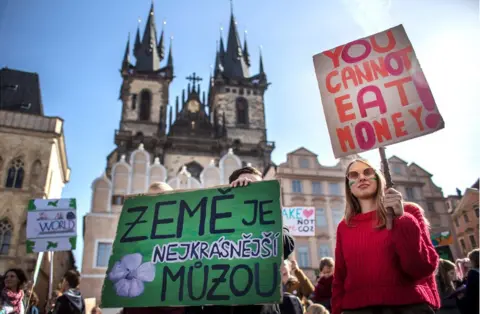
[(353, 205)]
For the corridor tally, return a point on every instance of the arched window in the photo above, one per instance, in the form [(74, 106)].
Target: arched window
[(242, 110), (145, 105), (15, 174), (5, 236)]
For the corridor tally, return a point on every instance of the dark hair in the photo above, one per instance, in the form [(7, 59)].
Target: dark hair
[(326, 261), (22, 277), (249, 170), (73, 278), (473, 256)]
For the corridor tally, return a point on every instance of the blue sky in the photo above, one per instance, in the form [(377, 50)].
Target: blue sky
[(77, 48)]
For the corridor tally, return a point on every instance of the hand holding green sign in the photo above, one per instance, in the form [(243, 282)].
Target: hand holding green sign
[(213, 246)]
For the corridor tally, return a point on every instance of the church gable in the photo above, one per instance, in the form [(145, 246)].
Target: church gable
[(302, 151)]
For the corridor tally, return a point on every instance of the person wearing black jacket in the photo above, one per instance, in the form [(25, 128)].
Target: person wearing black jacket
[(242, 177), (71, 301)]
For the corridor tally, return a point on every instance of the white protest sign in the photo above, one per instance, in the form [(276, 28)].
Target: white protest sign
[(374, 93), (51, 225), (299, 220)]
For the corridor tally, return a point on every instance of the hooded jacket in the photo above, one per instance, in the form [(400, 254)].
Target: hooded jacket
[(71, 302)]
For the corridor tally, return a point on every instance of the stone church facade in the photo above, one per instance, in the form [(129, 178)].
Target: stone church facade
[(196, 141), (33, 164)]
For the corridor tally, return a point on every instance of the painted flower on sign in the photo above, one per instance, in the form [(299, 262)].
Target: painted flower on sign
[(129, 275)]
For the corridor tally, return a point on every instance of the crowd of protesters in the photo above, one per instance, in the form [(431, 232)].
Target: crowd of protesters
[(375, 270)]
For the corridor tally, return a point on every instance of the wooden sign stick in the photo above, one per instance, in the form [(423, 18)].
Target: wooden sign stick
[(389, 183)]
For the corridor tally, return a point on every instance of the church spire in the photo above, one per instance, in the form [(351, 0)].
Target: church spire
[(234, 63), (137, 41), (161, 44), (246, 55), (147, 55), (126, 56), (170, 55), (261, 71)]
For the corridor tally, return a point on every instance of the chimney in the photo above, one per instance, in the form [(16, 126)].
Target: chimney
[(459, 193)]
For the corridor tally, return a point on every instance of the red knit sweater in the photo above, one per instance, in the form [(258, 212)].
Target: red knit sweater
[(384, 267)]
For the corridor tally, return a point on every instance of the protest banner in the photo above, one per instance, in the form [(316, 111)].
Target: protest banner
[(299, 220), (219, 246), (51, 225), (374, 93)]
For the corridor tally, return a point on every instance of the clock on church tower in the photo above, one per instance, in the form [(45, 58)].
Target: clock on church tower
[(193, 106)]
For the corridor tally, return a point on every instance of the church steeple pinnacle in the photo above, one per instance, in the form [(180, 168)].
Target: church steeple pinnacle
[(170, 55), (147, 55), (246, 55), (126, 56), (161, 44), (234, 62)]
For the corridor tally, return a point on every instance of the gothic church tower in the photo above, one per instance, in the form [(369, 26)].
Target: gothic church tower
[(200, 127)]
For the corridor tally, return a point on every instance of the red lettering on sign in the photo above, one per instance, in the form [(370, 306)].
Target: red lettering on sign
[(378, 102), (342, 108)]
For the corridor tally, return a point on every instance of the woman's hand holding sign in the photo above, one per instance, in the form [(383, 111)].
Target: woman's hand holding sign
[(394, 199)]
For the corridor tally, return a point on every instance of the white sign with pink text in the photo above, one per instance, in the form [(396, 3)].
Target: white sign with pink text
[(299, 220)]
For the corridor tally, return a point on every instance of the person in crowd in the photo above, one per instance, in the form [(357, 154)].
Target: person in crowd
[(463, 266), (379, 270), (33, 303), (96, 310), (12, 295), (317, 309), (323, 289), (291, 304), (71, 301), (243, 177), (299, 284), (446, 277), (51, 302), (470, 302)]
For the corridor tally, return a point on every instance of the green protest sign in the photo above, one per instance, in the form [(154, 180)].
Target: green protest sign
[(218, 246)]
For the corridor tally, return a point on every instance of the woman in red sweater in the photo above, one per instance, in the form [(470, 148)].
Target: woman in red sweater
[(379, 270)]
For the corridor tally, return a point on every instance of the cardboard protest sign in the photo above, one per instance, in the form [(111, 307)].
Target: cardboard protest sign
[(299, 220), (51, 225), (374, 93), (215, 246)]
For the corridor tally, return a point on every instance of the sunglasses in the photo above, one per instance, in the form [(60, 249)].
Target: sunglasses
[(367, 173)]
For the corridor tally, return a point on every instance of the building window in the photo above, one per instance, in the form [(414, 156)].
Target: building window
[(5, 236), (227, 90), (117, 199), (316, 188), (304, 163), (472, 240), (462, 244), (145, 105), (456, 223), (104, 250), (324, 251), (320, 217), (475, 208), (334, 189), (242, 110), (15, 174), (337, 216), (397, 169), (410, 193), (297, 186), (303, 257), (465, 217), (431, 207), (134, 101)]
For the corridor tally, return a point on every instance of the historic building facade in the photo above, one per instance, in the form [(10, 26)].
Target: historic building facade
[(464, 212), (306, 182), (195, 143), (33, 164)]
